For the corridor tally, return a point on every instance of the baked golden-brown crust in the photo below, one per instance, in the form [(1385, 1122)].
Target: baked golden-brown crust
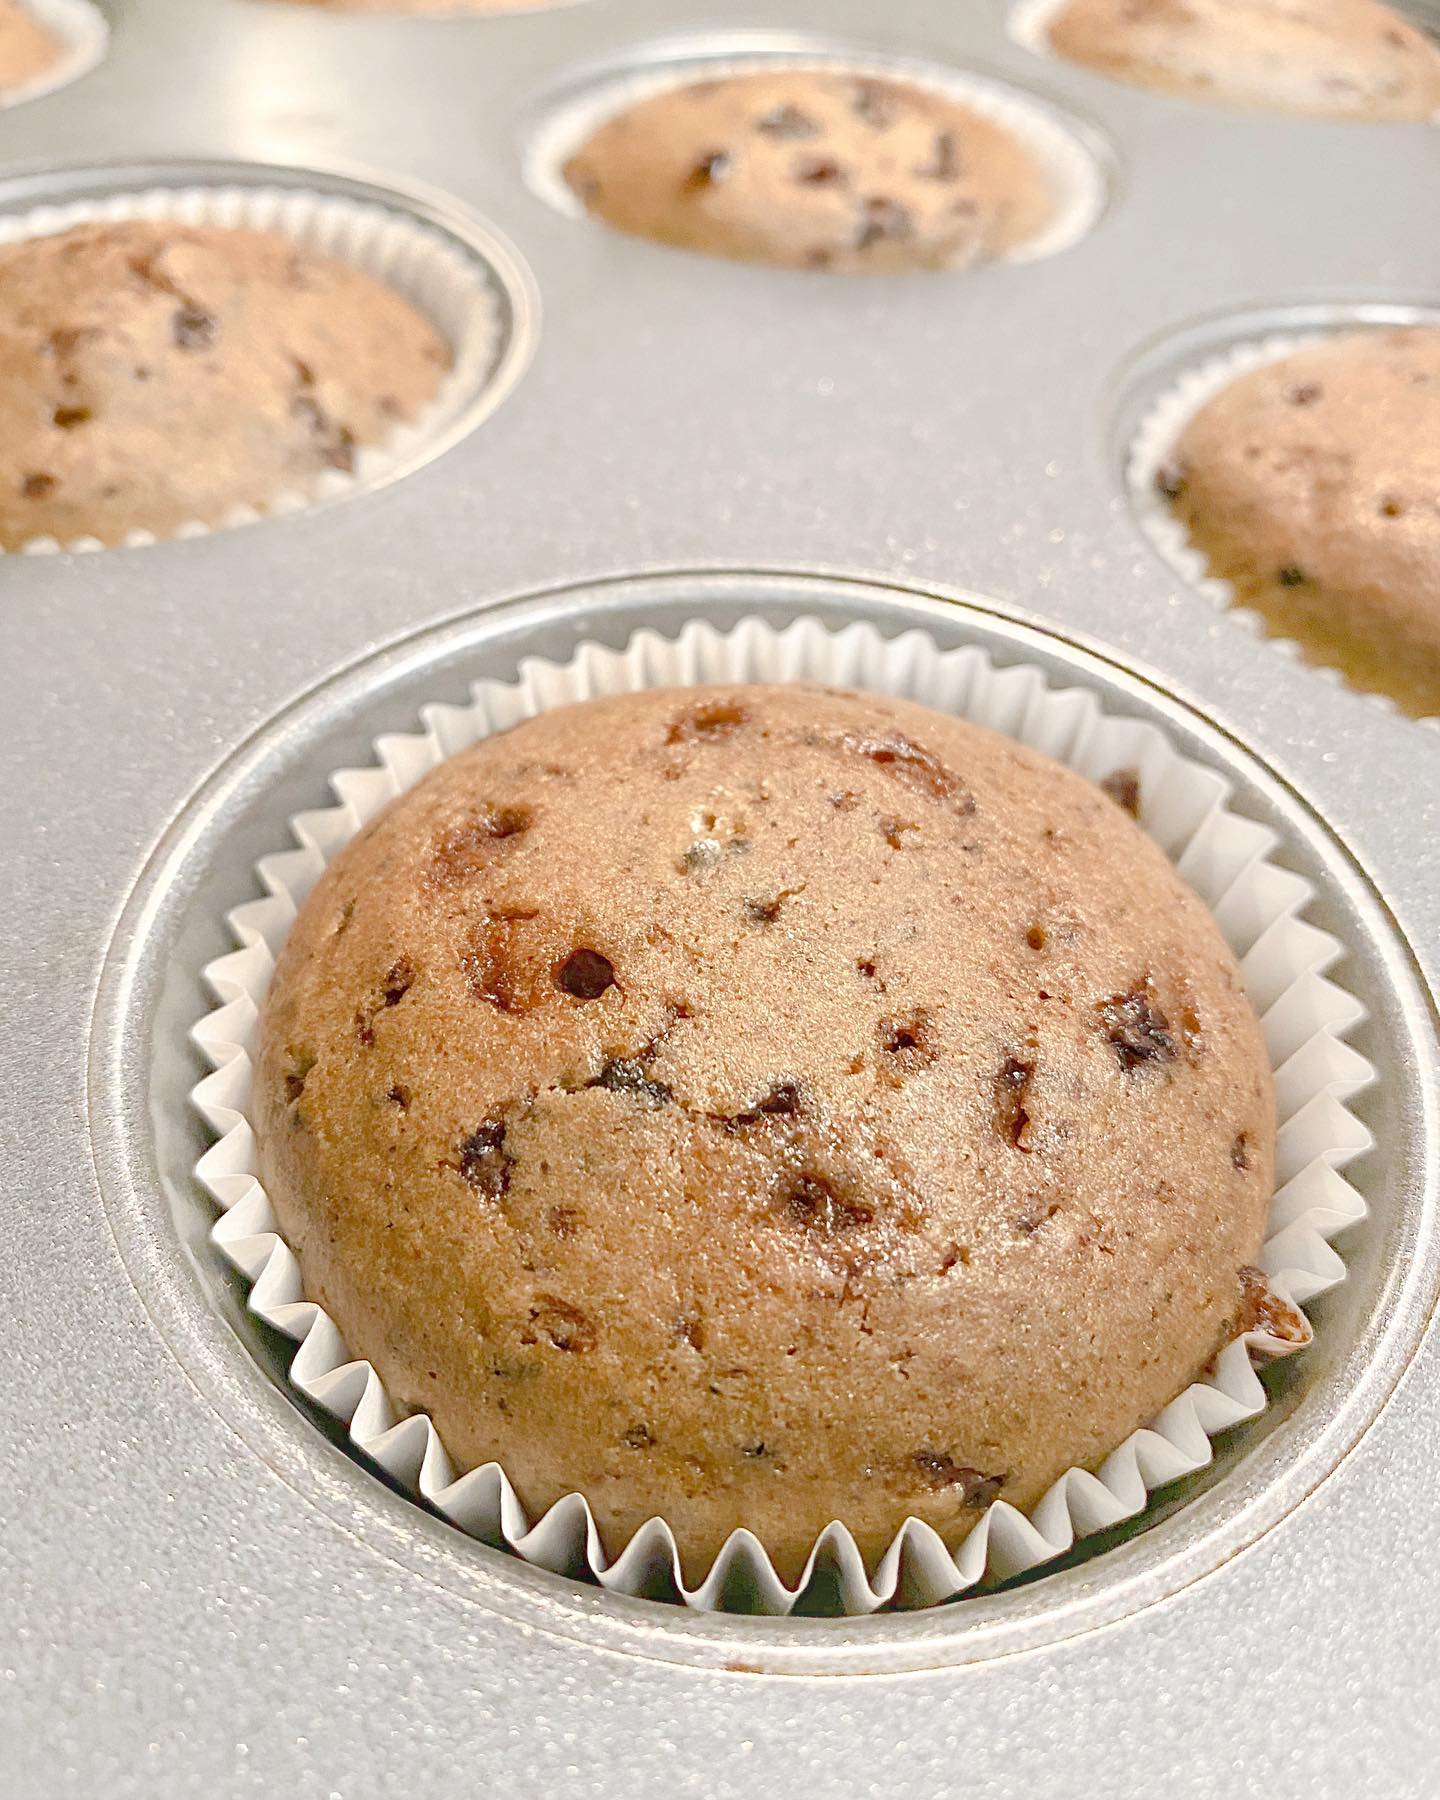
[(808, 168), (153, 373), (758, 1106), (27, 49), (1310, 485), (1328, 58)]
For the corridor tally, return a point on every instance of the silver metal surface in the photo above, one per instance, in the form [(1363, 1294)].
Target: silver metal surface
[(199, 1591)]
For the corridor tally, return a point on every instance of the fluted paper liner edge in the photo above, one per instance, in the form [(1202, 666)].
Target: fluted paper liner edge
[(1155, 437), (1225, 857), (445, 281)]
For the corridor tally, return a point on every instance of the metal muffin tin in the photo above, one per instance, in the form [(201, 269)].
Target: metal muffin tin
[(204, 1593)]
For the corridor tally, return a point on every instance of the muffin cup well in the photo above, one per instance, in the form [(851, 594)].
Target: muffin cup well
[(1225, 858), (441, 279), (1072, 168), (83, 35), (1028, 24), (1155, 437)]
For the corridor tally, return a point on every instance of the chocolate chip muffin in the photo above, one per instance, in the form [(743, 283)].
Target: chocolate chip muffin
[(27, 49), (155, 373), (762, 1106), (808, 168), (1310, 485), (1344, 59)]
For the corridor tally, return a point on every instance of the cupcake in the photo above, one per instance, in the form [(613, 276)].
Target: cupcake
[(762, 1106), (1343, 59), (156, 373), (809, 168), (27, 49), (1309, 485)]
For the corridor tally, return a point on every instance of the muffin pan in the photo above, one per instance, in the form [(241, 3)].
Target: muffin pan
[(937, 434)]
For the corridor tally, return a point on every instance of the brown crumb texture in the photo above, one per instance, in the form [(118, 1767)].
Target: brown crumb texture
[(1355, 59), (28, 49), (1310, 486), (875, 1185), (153, 374), (814, 168)]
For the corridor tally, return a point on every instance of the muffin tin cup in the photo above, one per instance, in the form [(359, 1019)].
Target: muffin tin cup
[(83, 35), (442, 280), (1028, 24), (1072, 166), (1156, 435), (1184, 806)]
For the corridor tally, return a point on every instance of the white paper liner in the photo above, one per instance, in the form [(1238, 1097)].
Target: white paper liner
[(1225, 858), (1155, 437), (436, 9), (450, 285), (83, 35), (1076, 180)]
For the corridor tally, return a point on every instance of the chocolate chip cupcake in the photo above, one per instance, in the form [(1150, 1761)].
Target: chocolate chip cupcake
[(809, 168), (153, 373), (1344, 59), (764, 1106), (1309, 485), (27, 49)]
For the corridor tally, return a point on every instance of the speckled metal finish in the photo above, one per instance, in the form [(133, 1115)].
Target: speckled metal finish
[(198, 1592)]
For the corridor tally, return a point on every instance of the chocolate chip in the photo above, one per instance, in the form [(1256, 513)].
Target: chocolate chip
[(944, 164), (1262, 1309), (638, 1437), (1136, 1029), (68, 417), (301, 1063), (760, 1449), (1305, 393), (1391, 508), (585, 974), (913, 765), (691, 1332), (194, 329), (786, 121), (364, 1028), (626, 1075), (341, 453), (910, 1040), (882, 221), (891, 830), (819, 171), (466, 848), (815, 1206), (762, 912), (485, 1163), (1290, 576), (36, 487), (942, 1471), (1037, 937), (711, 169), (783, 1100), (566, 1327), (1123, 787), (1240, 1151), (398, 981), (1169, 481), (399, 1095), (1012, 1090), (492, 965), (875, 103), (710, 721)]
